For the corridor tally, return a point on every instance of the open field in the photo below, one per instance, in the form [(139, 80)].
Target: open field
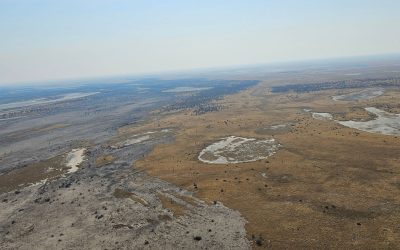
[(329, 186), (200, 125), (224, 164)]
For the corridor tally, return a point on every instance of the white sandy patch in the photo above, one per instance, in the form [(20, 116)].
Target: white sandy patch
[(359, 95), (235, 149), (279, 126), (38, 101), (136, 140), (38, 183), (74, 158), (50, 169), (322, 116), (12, 118), (385, 123)]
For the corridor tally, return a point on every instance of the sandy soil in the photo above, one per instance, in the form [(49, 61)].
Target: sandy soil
[(74, 159), (235, 149), (322, 116), (359, 95), (384, 123), (114, 207)]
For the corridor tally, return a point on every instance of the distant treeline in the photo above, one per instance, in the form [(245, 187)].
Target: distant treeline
[(358, 83), (201, 101)]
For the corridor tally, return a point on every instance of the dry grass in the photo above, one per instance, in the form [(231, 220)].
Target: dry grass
[(328, 187), (354, 114), (170, 204), (51, 127), (33, 173), (104, 160), (188, 199), (122, 194)]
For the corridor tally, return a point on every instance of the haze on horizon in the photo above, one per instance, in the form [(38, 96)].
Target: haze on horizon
[(44, 40)]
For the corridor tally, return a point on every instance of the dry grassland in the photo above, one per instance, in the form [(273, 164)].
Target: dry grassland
[(328, 186)]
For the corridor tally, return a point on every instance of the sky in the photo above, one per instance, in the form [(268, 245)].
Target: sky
[(65, 39)]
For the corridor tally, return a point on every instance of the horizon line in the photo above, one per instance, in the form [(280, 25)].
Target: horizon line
[(197, 70)]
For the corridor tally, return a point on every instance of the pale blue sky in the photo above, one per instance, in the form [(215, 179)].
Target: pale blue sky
[(56, 39)]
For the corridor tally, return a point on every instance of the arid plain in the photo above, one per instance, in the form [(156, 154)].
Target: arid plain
[(281, 159), (327, 186)]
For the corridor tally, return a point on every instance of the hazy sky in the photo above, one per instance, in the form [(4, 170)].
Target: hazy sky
[(53, 39)]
